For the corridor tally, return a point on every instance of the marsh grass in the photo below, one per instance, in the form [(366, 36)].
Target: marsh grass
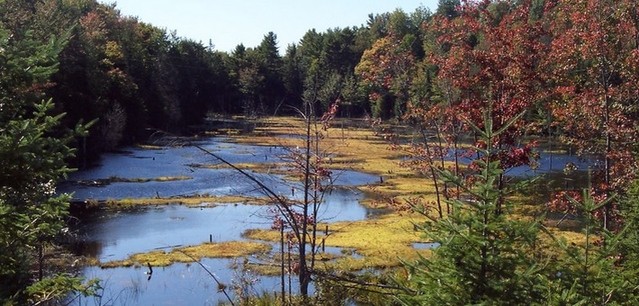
[(387, 240), (196, 201), (276, 168), (149, 147), (116, 179), (189, 254), (384, 241)]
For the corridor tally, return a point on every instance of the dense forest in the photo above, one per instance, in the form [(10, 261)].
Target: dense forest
[(77, 79)]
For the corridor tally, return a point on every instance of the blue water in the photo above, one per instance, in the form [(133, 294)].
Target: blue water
[(178, 284), (116, 235), (113, 235), (547, 163), (179, 161)]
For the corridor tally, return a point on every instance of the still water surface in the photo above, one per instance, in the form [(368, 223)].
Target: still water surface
[(113, 235)]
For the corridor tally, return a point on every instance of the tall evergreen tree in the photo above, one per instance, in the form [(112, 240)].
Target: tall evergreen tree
[(293, 76), (448, 8), (32, 159), (270, 68)]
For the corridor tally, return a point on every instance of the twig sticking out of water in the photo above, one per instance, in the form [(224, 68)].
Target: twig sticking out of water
[(220, 285)]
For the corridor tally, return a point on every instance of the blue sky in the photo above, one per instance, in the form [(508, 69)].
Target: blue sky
[(230, 22)]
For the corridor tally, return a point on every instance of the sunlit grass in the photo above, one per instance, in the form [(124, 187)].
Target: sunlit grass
[(383, 241), (150, 147), (192, 253)]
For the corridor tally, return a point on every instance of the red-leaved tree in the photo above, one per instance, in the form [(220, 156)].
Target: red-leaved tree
[(593, 67), (488, 59)]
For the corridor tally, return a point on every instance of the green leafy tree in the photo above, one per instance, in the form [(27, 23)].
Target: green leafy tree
[(201, 75), (388, 68), (329, 58)]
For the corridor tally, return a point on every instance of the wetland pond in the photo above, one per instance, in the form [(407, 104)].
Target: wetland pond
[(109, 235)]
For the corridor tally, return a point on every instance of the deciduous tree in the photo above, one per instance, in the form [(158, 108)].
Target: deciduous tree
[(593, 67)]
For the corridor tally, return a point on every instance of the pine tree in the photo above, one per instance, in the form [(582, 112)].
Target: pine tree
[(628, 257), (602, 269), (484, 256), (32, 160)]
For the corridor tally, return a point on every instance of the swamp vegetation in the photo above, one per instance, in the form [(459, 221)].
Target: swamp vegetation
[(484, 153)]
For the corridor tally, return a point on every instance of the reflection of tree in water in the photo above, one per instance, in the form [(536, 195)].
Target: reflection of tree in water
[(112, 127)]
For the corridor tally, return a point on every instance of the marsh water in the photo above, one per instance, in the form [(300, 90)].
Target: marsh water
[(114, 235), (109, 235)]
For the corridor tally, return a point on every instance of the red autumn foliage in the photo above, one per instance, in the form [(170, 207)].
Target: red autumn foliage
[(592, 68), (491, 60)]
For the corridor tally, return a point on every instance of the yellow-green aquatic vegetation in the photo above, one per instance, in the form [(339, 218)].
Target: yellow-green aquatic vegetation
[(383, 242), (351, 148), (198, 200), (192, 253)]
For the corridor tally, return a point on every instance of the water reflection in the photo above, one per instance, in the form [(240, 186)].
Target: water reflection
[(178, 284), (134, 231), (553, 163), (548, 162)]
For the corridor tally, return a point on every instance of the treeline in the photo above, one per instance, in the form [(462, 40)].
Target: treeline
[(132, 75), (127, 74), (542, 56)]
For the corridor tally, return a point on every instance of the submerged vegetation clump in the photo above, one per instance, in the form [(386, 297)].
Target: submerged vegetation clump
[(194, 201), (115, 179)]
